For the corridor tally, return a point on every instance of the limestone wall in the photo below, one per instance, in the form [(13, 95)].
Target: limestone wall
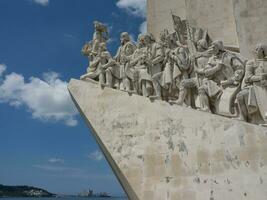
[(164, 152), (251, 21), (216, 16)]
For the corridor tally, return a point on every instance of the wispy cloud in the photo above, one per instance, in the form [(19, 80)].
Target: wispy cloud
[(56, 160), (133, 7), (54, 168), (136, 8), (2, 69), (42, 2), (96, 155), (47, 99)]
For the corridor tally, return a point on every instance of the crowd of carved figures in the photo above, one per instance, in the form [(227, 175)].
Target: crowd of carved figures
[(185, 68)]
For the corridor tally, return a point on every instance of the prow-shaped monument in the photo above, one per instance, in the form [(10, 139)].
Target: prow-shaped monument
[(181, 115), (161, 151)]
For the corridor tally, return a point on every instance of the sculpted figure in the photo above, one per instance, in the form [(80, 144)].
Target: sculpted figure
[(101, 68), (155, 60), (162, 80), (182, 69), (91, 48), (122, 57), (252, 99), (199, 61), (138, 68), (224, 70)]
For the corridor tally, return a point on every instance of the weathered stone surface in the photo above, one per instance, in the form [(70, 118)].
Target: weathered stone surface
[(159, 151), (251, 24), (216, 16)]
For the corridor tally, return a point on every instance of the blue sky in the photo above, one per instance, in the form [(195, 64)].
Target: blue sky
[(43, 140)]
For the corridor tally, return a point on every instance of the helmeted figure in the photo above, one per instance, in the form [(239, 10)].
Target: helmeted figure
[(100, 69), (224, 70), (122, 57), (252, 99), (91, 48)]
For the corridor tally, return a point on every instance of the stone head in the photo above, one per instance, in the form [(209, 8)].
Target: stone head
[(141, 41), (216, 47), (103, 46), (148, 39), (260, 51), (125, 37)]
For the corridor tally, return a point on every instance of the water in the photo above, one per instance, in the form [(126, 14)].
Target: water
[(64, 198)]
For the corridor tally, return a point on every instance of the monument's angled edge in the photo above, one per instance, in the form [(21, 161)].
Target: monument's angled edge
[(124, 183), (182, 113)]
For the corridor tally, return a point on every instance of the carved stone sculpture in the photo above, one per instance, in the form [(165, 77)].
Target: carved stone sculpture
[(224, 70), (155, 61), (136, 68), (162, 80), (91, 48), (122, 57), (195, 82), (102, 67), (181, 71), (139, 68), (252, 99), (183, 67)]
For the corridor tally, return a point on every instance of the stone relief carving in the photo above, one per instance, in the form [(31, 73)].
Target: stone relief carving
[(183, 68)]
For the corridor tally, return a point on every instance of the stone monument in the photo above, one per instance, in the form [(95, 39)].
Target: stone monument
[(183, 113)]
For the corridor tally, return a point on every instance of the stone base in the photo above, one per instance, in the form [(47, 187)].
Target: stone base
[(159, 151)]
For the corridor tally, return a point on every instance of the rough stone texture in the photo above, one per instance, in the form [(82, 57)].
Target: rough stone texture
[(251, 24), (159, 151), (159, 14), (216, 16)]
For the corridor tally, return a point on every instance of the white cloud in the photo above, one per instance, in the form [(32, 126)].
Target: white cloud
[(143, 27), (96, 155), (47, 99), (133, 7), (42, 2), (2, 69), (56, 160)]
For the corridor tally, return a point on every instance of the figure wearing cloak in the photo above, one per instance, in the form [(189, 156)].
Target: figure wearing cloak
[(252, 99), (91, 48), (224, 70), (137, 69), (122, 57)]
